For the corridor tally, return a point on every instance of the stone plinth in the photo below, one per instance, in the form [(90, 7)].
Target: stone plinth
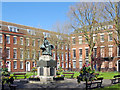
[(46, 68)]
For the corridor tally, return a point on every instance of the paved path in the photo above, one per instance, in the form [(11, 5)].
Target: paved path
[(67, 83)]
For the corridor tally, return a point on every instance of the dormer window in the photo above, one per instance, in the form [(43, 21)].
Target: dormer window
[(10, 29), (110, 26), (13, 29)]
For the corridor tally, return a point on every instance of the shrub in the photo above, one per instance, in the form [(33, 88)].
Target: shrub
[(86, 73)]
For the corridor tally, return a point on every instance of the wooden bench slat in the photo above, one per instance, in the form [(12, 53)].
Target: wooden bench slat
[(69, 74), (19, 75)]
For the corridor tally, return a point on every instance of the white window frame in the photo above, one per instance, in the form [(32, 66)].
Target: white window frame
[(101, 51), (15, 64), (38, 42), (27, 41), (58, 56), (80, 66), (21, 67), (62, 56), (15, 39), (1, 38), (65, 47), (62, 47), (0, 52), (21, 40), (33, 64), (33, 54), (62, 65), (118, 51), (101, 36), (8, 52), (95, 47), (15, 53), (94, 37), (66, 56), (74, 64), (110, 36), (72, 41), (73, 52), (28, 54), (80, 40), (66, 65), (79, 52), (33, 42), (21, 53), (58, 64), (8, 39), (110, 52), (85, 52), (69, 64)]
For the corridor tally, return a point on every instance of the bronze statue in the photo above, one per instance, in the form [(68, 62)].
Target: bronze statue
[(46, 47)]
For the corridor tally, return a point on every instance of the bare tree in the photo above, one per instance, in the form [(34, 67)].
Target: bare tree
[(112, 13), (61, 39), (84, 19)]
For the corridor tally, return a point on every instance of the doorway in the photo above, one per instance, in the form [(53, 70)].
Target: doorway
[(27, 66), (9, 65), (119, 66)]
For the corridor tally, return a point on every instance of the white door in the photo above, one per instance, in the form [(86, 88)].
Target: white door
[(9, 65), (27, 66)]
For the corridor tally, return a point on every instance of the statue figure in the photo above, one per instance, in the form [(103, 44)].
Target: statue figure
[(46, 47)]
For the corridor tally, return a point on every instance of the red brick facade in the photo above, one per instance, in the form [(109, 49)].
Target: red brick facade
[(36, 34), (107, 58)]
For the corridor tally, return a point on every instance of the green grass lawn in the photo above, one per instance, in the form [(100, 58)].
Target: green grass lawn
[(28, 74), (105, 75), (108, 75)]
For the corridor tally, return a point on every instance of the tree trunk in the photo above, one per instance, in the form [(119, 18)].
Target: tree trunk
[(4, 54), (89, 57)]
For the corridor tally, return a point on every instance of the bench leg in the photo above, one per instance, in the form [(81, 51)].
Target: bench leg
[(118, 80), (89, 86), (113, 81), (99, 84)]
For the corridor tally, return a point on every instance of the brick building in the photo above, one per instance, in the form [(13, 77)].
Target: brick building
[(106, 54), (20, 46)]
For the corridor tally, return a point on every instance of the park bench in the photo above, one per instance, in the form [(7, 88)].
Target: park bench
[(68, 74), (116, 77), (19, 75), (98, 81)]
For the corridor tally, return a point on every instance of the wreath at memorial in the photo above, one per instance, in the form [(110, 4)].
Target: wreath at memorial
[(86, 73), (59, 70), (34, 69)]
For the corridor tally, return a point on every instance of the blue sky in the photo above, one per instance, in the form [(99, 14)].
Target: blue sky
[(36, 14)]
